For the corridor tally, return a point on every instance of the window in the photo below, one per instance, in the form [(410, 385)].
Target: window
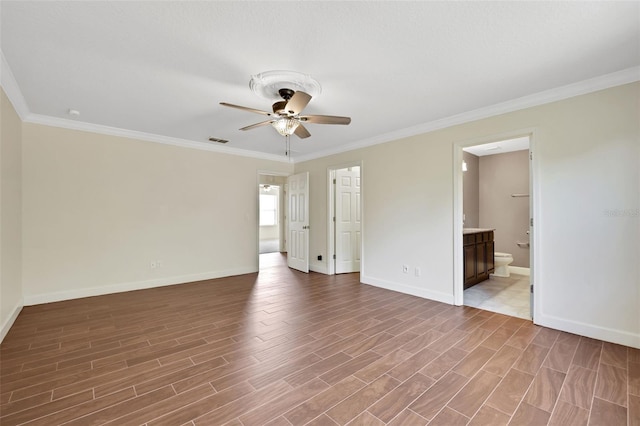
[(268, 209)]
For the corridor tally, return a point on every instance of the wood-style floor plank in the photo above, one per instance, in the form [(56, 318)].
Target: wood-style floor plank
[(282, 348)]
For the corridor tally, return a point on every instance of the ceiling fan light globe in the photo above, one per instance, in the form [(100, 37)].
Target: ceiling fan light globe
[(285, 126)]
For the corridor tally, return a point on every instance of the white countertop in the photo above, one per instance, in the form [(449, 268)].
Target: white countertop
[(475, 230)]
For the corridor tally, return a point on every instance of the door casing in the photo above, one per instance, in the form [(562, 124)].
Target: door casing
[(458, 261), (331, 266)]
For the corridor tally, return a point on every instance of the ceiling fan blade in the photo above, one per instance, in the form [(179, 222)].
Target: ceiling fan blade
[(302, 132), (325, 119), (253, 126), (296, 104), (257, 111)]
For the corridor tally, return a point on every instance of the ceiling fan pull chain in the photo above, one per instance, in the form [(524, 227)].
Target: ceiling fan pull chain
[(287, 147)]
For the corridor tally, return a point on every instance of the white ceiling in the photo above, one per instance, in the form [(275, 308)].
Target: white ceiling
[(161, 68)]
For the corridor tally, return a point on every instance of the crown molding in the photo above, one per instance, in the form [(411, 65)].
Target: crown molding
[(150, 137), (11, 88), (595, 84), (618, 78)]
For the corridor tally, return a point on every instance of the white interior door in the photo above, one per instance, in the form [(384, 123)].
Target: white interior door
[(348, 220), (531, 262), (298, 222)]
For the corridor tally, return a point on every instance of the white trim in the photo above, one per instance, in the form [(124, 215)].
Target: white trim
[(9, 321), (535, 209), (131, 286), (618, 78), (331, 264), (458, 287), (150, 137), (589, 330), (458, 225), (519, 270), (331, 174), (281, 215), (406, 289), (11, 88)]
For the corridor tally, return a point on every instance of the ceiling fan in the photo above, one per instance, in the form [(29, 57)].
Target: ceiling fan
[(286, 118)]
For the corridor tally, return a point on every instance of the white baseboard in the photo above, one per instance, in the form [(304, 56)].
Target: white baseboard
[(414, 291), (58, 296), (519, 270), (6, 326), (589, 330)]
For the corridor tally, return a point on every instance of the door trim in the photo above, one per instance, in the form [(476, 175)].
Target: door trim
[(458, 261), (267, 173), (331, 208)]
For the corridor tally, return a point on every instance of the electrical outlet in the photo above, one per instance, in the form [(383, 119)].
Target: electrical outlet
[(418, 271), (405, 269)]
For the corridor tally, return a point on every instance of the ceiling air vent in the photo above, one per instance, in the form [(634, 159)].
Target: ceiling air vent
[(212, 139)]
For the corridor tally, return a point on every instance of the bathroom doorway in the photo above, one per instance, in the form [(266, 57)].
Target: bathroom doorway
[(494, 251)]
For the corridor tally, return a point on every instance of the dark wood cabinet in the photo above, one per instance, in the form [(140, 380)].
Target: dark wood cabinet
[(478, 250), (469, 263)]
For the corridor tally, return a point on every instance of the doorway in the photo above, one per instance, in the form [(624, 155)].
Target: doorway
[(269, 217), (345, 219), (494, 200), (272, 219)]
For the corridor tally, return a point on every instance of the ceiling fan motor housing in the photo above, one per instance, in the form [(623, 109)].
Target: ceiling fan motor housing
[(286, 94), (278, 107)]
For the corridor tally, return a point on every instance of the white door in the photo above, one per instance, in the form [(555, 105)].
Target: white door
[(298, 241), (531, 276), (347, 220)]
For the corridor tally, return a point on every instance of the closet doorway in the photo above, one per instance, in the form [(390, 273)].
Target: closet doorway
[(345, 219)]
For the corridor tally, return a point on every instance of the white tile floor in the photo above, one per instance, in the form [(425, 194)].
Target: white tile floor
[(509, 296)]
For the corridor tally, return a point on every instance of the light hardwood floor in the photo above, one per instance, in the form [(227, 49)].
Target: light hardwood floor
[(287, 348)]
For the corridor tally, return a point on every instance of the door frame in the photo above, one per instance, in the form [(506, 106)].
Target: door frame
[(534, 196), (281, 216), (331, 210)]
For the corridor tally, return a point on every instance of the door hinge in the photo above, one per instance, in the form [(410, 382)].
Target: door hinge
[(334, 181), (334, 218), (531, 221), (530, 155), (531, 288), (334, 257)]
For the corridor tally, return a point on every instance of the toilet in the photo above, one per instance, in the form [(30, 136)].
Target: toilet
[(501, 263)]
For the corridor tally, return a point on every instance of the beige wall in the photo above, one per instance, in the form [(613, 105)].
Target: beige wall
[(471, 191), (98, 210), (587, 157), (500, 176), (10, 215)]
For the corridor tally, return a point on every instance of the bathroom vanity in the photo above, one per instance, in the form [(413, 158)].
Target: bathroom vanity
[(478, 250)]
